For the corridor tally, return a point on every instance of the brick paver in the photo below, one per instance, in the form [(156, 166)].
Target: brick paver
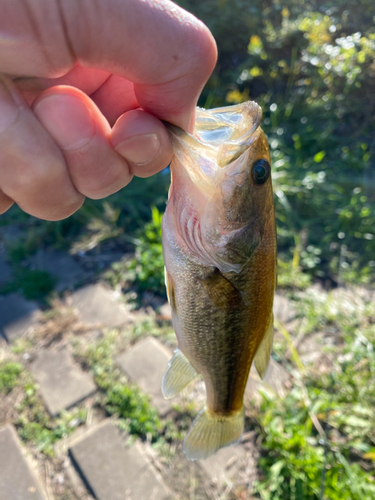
[(17, 479), (62, 381), (145, 364), (60, 265), (114, 471), (5, 269), (17, 315), (96, 306), (222, 467)]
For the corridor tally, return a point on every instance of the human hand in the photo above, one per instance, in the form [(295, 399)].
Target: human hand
[(69, 71)]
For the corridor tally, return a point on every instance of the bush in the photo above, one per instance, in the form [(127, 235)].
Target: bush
[(147, 267), (311, 66)]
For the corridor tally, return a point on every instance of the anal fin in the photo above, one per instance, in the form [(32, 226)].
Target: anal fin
[(262, 356), (178, 375)]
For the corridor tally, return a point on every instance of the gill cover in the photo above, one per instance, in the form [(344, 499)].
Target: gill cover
[(208, 170)]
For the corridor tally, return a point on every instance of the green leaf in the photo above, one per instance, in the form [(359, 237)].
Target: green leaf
[(319, 156)]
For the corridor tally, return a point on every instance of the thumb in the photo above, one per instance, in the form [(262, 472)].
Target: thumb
[(165, 51)]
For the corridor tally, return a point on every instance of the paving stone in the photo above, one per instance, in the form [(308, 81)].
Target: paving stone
[(17, 480), (60, 265), (114, 471), (96, 305), (62, 382), (276, 378), (5, 270), (223, 466), (17, 315), (11, 234), (145, 364), (283, 309)]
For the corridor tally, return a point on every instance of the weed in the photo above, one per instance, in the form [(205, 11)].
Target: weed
[(20, 345), (23, 248), (34, 284), (36, 427), (119, 398), (319, 435), (32, 422), (39, 430), (147, 267), (290, 276), (150, 327), (9, 376), (134, 409), (295, 458)]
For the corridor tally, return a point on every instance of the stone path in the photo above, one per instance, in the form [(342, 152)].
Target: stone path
[(5, 269), (115, 471), (17, 316), (60, 265), (62, 382), (223, 466), (17, 479), (110, 468), (96, 306), (145, 364)]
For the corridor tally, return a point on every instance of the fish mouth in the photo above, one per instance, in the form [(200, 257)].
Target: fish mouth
[(230, 126), (221, 135)]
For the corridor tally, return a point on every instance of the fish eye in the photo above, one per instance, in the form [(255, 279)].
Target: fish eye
[(261, 171)]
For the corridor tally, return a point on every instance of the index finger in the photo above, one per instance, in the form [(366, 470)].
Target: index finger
[(164, 50)]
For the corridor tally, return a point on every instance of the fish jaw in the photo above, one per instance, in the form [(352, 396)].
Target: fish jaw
[(217, 213)]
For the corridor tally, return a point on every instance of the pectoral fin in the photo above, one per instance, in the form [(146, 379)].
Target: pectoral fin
[(221, 291), (170, 288), (178, 375), (262, 356)]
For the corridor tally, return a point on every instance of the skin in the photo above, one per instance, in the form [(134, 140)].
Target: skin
[(220, 318), (83, 89)]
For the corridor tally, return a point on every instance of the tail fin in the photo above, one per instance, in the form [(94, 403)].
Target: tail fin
[(209, 432)]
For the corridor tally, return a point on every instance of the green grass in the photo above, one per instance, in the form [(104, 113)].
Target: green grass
[(298, 463), (34, 426), (34, 284), (9, 376), (146, 270), (133, 408), (319, 441)]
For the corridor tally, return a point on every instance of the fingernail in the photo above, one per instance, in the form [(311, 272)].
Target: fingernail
[(139, 149), (8, 107), (67, 119)]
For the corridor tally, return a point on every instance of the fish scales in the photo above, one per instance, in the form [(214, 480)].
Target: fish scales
[(219, 243)]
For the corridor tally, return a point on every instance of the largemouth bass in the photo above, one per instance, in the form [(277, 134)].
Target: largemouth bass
[(219, 244)]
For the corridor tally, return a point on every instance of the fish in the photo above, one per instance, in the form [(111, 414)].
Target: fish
[(219, 247)]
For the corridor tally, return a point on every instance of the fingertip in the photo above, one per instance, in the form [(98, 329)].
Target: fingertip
[(143, 141)]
